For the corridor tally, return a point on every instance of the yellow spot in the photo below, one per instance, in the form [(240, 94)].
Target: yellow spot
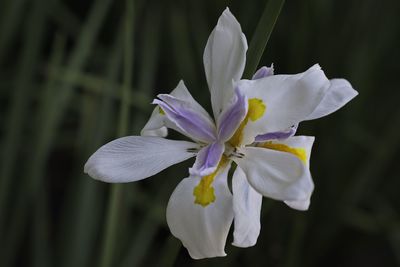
[(298, 152), (161, 111), (204, 191), (256, 110)]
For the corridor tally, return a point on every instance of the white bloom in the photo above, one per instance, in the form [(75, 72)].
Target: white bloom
[(254, 123)]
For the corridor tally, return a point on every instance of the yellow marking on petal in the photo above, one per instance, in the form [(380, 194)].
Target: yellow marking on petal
[(298, 152), (161, 111), (204, 191), (255, 111)]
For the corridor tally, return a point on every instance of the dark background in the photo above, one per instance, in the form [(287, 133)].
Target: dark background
[(62, 67)]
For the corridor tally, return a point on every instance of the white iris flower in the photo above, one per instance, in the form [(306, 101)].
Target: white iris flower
[(255, 121)]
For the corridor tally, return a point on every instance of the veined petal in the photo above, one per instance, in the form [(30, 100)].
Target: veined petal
[(338, 94), (263, 72), (247, 209), (207, 159), (133, 158), (202, 230), (288, 99), (188, 116), (230, 119), (224, 59), (155, 126), (276, 174)]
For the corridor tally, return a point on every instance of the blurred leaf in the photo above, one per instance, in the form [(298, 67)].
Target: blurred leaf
[(261, 36)]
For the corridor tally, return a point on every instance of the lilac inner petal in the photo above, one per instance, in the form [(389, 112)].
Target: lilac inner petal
[(194, 124), (232, 116), (263, 72), (207, 159), (277, 135)]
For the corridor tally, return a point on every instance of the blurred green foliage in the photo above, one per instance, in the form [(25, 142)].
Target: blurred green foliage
[(69, 69)]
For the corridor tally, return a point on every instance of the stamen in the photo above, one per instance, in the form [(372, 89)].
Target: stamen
[(232, 152), (192, 150)]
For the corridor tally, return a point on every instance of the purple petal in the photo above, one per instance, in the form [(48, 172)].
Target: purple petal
[(232, 116), (264, 72), (207, 159), (277, 135), (194, 124)]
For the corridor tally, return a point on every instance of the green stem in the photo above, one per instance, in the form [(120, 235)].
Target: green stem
[(116, 197), (261, 36)]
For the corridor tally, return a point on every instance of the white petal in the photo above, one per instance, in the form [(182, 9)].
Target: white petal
[(299, 141), (207, 159), (183, 93), (289, 99), (339, 93), (224, 59), (187, 116), (202, 230), (133, 158), (156, 125), (232, 116), (247, 209), (299, 204), (305, 142), (275, 174), (158, 122)]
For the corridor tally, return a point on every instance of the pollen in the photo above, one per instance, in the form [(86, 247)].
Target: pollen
[(204, 192), (298, 152), (161, 111), (255, 111)]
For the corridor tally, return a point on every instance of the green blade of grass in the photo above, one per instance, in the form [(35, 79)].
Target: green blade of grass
[(182, 49), (116, 197), (9, 24), (141, 244), (61, 14), (261, 36), (80, 224), (15, 121), (365, 177), (42, 251), (148, 64), (93, 84), (147, 227), (41, 247), (48, 126), (169, 252), (293, 255)]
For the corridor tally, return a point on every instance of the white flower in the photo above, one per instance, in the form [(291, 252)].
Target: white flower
[(255, 121)]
